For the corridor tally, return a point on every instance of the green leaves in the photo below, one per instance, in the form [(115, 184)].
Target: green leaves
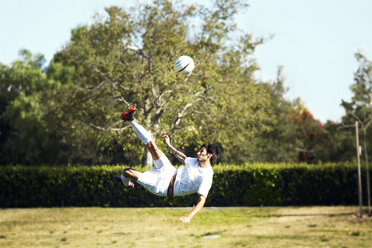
[(360, 108), (233, 185), (127, 58)]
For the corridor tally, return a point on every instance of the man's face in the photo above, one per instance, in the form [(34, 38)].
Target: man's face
[(202, 155)]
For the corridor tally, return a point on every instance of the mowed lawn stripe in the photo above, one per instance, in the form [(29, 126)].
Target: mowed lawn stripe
[(159, 227)]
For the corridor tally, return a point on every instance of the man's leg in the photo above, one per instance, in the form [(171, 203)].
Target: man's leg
[(146, 138), (154, 150), (141, 132), (155, 154), (130, 174)]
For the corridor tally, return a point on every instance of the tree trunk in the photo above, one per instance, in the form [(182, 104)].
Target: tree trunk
[(147, 160)]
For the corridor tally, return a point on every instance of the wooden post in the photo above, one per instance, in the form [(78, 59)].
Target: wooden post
[(367, 171), (359, 172)]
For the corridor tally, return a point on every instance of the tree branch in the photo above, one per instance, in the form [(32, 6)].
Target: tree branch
[(369, 122), (137, 51), (108, 129), (181, 113), (114, 84)]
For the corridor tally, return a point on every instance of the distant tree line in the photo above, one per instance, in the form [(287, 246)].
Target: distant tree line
[(68, 112)]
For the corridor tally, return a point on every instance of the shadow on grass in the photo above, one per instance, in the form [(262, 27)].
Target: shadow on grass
[(305, 215)]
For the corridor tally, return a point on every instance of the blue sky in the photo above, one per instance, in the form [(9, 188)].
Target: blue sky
[(314, 41)]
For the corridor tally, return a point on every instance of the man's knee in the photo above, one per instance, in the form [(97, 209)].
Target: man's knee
[(152, 147), (154, 150)]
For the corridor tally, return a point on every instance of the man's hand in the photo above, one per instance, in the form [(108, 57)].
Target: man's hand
[(179, 155), (185, 219), (195, 210), (166, 140)]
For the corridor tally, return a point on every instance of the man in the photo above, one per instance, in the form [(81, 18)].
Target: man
[(165, 180)]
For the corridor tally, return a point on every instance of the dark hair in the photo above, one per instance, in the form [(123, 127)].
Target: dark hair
[(211, 149)]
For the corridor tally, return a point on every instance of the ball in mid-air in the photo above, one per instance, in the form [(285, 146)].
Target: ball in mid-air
[(184, 64)]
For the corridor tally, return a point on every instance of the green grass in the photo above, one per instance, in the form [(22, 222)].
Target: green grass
[(146, 227)]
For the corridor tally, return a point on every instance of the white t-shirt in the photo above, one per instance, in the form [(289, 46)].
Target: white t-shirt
[(192, 178)]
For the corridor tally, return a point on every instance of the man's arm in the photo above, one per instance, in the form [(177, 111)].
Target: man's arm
[(195, 210), (179, 155)]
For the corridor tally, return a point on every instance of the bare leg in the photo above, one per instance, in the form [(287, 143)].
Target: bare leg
[(154, 150), (146, 138), (132, 174), (155, 154)]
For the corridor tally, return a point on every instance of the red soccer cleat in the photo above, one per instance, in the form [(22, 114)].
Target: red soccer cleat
[(129, 115)]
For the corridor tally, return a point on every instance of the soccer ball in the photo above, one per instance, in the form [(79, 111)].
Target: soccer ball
[(184, 64)]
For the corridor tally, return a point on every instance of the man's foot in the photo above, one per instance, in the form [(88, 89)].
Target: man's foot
[(127, 182), (129, 115)]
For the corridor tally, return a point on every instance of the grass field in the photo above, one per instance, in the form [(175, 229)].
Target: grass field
[(145, 227)]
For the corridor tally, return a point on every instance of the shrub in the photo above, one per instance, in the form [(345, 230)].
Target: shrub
[(233, 185)]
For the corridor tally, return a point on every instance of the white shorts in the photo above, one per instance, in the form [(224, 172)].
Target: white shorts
[(157, 181)]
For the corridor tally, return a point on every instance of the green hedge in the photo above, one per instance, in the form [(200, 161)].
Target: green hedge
[(244, 185)]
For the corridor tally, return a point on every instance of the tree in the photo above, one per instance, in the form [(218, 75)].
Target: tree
[(339, 143), (360, 107), (22, 127), (310, 135), (126, 58), (292, 134), (275, 142)]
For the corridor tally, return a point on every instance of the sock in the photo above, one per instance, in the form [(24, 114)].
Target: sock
[(142, 133), (158, 163), (123, 180)]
